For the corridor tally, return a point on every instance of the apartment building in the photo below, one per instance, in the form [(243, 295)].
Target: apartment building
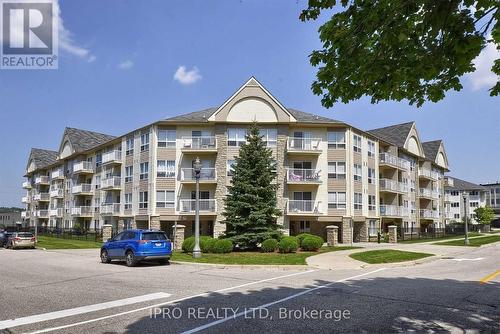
[(493, 200), (328, 172), (455, 191), (10, 218)]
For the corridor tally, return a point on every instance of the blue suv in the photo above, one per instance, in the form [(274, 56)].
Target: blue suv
[(137, 245)]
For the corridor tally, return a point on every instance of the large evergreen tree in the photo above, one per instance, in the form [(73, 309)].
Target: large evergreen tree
[(251, 205)]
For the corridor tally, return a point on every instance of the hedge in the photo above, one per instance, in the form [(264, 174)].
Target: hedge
[(311, 243), (269, 245), (301, 237), (206, 244), (222, 246), (288, 245)]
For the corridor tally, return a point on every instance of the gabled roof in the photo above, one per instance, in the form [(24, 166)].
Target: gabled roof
[(393, 134), (462, 185), (42, 158), (82, 140), (431, 149), (305, 117)]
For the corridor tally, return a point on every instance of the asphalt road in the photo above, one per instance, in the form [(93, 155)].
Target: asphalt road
[(71, 292)]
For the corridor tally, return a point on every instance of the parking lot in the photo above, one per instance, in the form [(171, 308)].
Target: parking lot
[(70, 291)]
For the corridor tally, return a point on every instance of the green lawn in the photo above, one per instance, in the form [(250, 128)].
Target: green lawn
[(474, 242), (415, 241), (298, 258), (387, 256), (60, 243)]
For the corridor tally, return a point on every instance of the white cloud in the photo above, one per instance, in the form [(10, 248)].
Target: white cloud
[(187, 77), (126, 65), (483, 77)]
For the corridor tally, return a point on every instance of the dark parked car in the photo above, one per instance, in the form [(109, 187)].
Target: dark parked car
[(4, 237), (137, 245)]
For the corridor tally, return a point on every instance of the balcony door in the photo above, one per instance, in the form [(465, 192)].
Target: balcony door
[(304, 201), (302, 140), (201, 138)]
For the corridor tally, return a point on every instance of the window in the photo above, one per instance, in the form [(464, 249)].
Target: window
[(357, 172), (454, 193), (371, 175), (128, 201), (98, 159), (165, 199), (236, 137), (129, 171), (143, 200), (336, 170), (144, 142), (371, 148), (304, 226), (97, 181), (474, 204), (358, 201), (167, 138), (357, 143), (371, 202), (474, 193), (455, 204), (372, 229), (336, 200), (336, 139), (456, 216), (230, 164), (144, 170), (130, 146), (165, 168), (412, 186), (269, 137)]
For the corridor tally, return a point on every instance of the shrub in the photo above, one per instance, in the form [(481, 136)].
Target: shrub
[(288, 245), (206, 244), (312, 243), (222, 246), (301, 237), (269, 245)]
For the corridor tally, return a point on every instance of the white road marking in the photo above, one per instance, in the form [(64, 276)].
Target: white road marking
[(80, 310), (475, 259), (204, 294), (237, 315)]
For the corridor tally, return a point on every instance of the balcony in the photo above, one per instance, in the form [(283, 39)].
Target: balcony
[(392, 186), (303, 207), (428, 193), (25, 214), (82, 211), (114, 182), (304, 145), (393, 211), (26, 185), (447, 198), (57, 174), (83, 167), (429, 214), (57, 212), (112, 157), (26, 199), (82, 189), (57, 193), (207, 175), (41, 197), (110, 209), (42, 213), (393, 161), (303, 176), (449, 215), (42, 180), (427, 174), (188, 206), (199, 144)]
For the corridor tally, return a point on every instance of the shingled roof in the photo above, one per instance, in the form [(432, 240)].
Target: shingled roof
[(82, 140), (43, 158), (393, 134), (462, 185), (431, 149)]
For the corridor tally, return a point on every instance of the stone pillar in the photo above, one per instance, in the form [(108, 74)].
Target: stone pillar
[(220, 168), (393, 234), (363, 232), (107, 230), (332, 233), (346, 230), (121, 225), (179, 237), (133, 224), (281, 162), (154, 223)]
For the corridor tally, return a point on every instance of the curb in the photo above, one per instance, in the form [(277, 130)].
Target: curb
[(243, 266)]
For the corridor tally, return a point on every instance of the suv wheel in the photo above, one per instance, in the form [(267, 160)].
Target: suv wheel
[(105, 257), (130, 259)]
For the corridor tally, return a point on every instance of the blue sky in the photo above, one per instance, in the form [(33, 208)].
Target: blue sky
[(117, 66)]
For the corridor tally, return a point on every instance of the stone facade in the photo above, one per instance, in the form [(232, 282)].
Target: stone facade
[(332, 232), (107, 231), (179, 236), (280, 181), (221, 170), (154, 223), (346, 231), (393, 234)]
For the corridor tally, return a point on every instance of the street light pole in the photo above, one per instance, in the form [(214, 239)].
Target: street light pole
[(197, 171), (466, 239)]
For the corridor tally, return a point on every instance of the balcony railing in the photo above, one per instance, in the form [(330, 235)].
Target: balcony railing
[(391, 185), (303, 206), (304, 144), (428, 173), (389, 159), (113, 182), (430, 214), (303, 175), (449, 215), (189, 205), (83, 167), (58, 193), (424, 192), (42, 179), (57, 174), (26, 199), (199, 143), (206, 174), (393, 211), (112, 157), (41, 197), (447, 197), (57, 212), (26, 185), (110, 209), (42, 213), (83, 188), (82, 211)]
